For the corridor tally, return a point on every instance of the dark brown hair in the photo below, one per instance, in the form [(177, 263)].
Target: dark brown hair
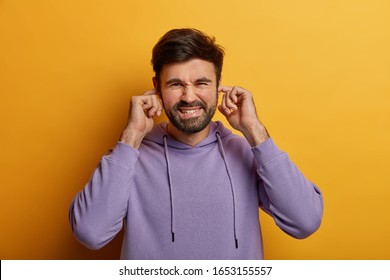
[(181, 45)]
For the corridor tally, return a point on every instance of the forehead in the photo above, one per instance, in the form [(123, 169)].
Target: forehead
[(189, 70)]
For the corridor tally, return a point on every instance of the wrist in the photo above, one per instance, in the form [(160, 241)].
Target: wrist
[(256, 134), (130, 138)]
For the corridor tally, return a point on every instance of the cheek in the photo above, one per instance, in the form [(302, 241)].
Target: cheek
[(210, 96), (168, 100)]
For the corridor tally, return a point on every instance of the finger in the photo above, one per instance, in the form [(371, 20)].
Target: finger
[(150, 105), (154, 106), (232, 92), (140, 101), (231, 99), (225, 89), (160, 107), (223, 108), (146, 103), (157, 105), (150, 92), (223, 112)]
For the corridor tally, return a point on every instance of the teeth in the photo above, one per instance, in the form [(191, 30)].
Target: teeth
[(188, 111)]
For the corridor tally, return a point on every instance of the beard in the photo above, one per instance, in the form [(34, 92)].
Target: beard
[(195, 124)]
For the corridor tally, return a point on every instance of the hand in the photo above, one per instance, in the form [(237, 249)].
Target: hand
[(240, 111), (140, 122)]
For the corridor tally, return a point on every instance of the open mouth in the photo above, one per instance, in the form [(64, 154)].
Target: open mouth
[(188, 111), (192, 112)]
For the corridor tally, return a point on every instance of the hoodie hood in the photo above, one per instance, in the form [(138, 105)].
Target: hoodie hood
[(159, 132)]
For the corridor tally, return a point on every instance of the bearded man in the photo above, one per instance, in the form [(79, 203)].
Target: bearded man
[(189, 188)]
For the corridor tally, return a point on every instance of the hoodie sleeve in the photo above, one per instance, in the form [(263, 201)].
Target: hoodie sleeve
[(295, 203), (96, 213)]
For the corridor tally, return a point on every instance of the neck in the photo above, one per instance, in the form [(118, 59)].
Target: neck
[(190, 139)]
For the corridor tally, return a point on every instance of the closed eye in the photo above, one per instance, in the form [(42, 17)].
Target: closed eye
[(203, 82), (203, 85), (174, 83)]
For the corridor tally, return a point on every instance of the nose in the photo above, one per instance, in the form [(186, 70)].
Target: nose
[(189, 94)]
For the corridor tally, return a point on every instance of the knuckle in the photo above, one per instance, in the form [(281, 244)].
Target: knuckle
[(134, 99)]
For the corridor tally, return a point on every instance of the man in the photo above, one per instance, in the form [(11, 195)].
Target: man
[(190, 189)]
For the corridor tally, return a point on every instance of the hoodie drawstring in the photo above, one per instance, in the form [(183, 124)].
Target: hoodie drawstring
[(170, 188), (171, 194), (231, 187)]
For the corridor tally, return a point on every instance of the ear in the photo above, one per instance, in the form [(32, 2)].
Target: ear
[(156, 87), (219, 86), (154, 80)]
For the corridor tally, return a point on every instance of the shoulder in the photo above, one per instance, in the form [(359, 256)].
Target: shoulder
[(237, 145), (228, 136)]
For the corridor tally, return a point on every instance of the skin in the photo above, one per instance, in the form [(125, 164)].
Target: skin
[(193, 81)]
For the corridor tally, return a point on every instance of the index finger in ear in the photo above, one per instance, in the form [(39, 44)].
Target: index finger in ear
[(225, 89), (150, 92)]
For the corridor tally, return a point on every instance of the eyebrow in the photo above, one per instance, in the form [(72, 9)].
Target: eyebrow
[(200, 80), (203, 80), (173, 81)]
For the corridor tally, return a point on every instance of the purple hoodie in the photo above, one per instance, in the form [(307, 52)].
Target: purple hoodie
[(181, 202)]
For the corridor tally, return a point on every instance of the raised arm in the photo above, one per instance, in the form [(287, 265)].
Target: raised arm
[(294, 202), (96, 213)]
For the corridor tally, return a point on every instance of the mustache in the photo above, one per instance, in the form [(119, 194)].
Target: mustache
[(196, 103)]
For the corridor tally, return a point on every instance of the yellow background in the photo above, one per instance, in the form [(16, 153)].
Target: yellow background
[(319, 71)]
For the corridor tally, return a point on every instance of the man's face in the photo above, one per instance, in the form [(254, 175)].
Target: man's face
[(189, 94)]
